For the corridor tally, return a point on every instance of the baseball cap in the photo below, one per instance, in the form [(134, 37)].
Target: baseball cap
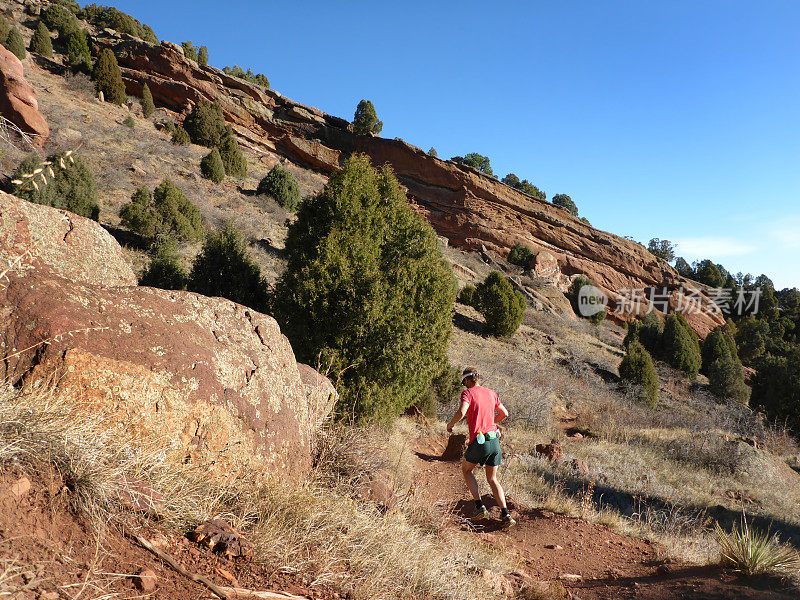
[(469, 372)]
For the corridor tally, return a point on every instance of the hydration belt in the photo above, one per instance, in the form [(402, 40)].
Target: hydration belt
[(489, 435)]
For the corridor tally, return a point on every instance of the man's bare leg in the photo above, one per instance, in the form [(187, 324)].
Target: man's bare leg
[(472, 483), (497, 489)]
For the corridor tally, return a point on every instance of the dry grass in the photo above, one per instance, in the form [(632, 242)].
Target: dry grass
[(321, 527), (22, 578), (662, 484), (123, 159), (336, 539), (39, 427), (11, 580)]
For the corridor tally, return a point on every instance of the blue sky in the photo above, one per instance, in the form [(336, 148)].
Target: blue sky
[(677, 120)]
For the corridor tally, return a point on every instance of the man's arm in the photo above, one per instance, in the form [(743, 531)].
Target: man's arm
[(502, 413), (460, 414)]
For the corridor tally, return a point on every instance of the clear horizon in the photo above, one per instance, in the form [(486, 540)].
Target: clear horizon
[(673, 121)]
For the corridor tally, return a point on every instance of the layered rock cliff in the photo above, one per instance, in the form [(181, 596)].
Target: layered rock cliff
[(474, 211)]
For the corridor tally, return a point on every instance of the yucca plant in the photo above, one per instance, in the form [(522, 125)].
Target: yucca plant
[(752, 552), (38, 177), (62, 181)]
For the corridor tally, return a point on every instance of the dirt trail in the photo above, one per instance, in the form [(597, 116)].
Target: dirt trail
[(38, 529), (546, 546)]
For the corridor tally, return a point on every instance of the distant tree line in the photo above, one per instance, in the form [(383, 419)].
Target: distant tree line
[(483, 164), (257, 78), (763, 333), (524, 186)]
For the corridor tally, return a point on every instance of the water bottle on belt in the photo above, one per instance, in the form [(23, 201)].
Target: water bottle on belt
[(481, 438)]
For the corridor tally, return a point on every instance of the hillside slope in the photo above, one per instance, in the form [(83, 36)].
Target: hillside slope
[(474, 211)]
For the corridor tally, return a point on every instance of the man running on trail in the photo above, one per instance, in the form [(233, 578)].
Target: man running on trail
[(483, 410)]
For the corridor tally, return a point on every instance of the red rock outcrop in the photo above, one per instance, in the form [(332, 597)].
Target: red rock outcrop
[(552, 451), (18, 101), (474, 211), (59, 243), (215, 381), (321, 395)]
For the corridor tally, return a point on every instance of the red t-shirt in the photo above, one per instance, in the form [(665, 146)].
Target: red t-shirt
[(483, 403)]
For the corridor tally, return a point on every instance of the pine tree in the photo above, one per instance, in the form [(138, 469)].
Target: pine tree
[(224, 268), (202, 57), (165, 270), (726, 379), (232, 157), (652, 333), (367, 292), (71, 186), (588, 303), (648, 332), (476, 161), (206, 124), (566, 203), (78, 54), (681, 347), (714, 348), (366, 120), (500, 304), (148, 107), (165, 212), (41, 43), (149, 35), (469, 296), (138, 215), (212, 167), (180, 137), (520, 255), (282, 186), (15, 44), (637, 367), (189, 51), (5, 29), (108, 77), (58, 18)]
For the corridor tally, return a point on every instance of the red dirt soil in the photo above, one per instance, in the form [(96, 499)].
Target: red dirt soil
[(59, 554), (547, 546)]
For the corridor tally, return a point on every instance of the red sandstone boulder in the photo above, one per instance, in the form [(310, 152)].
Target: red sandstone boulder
[(18, 101), (58, 242), (545, 266), (213, 382), (320, 393)]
